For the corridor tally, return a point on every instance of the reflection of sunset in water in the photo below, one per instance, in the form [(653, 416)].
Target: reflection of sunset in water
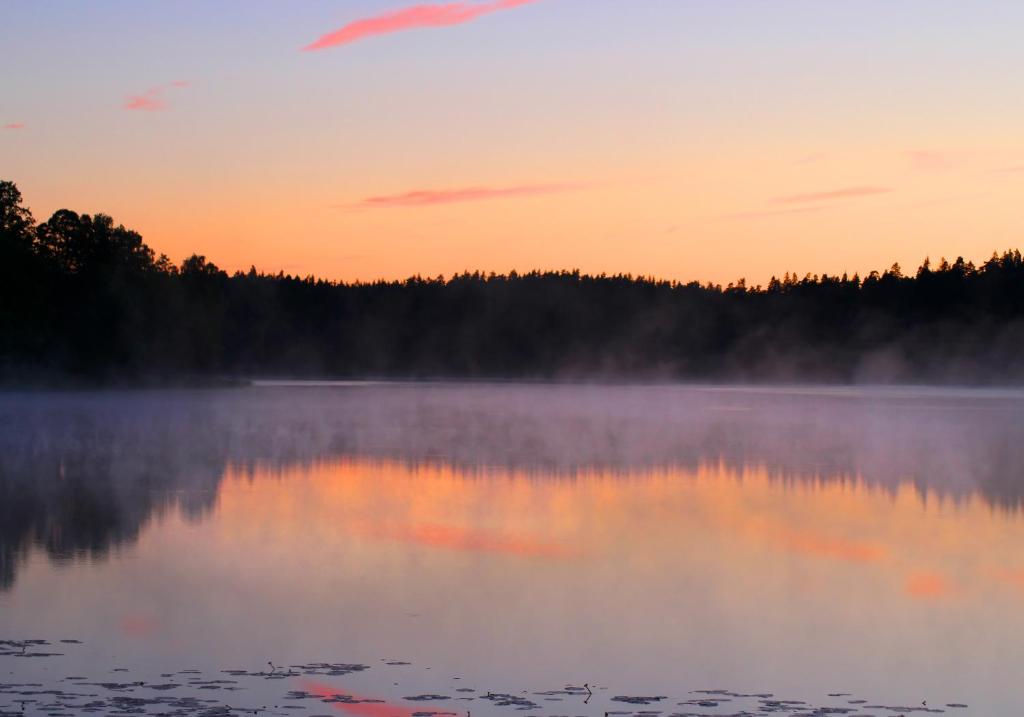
[(928, 586), (643, 580), (1012, 577), (356, 705), (910, 546), (139, 625), (454, 538)]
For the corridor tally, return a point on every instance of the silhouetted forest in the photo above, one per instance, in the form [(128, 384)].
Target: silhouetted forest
[(83, 299)]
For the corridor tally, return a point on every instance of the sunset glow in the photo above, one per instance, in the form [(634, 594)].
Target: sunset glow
[(746, 520), (927, 586), (698, 140)]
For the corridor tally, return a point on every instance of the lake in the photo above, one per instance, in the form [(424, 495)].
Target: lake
[(383, 550)]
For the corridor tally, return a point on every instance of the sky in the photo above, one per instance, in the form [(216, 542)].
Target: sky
[(684, 139)]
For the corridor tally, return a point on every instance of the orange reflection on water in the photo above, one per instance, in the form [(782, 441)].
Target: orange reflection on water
[(1011, 577), (455, 538), (721, 525), (854, 551), (359, 706), (928, 586), (138, 625)]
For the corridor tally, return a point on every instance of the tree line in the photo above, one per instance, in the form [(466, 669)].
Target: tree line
[(83, 299)]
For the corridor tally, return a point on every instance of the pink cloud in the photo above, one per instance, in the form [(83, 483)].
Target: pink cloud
[(149, 101), (773, 213), (809, 159), (949, 159), (432, 197), (931, 160), (845, 193), (411, 18), (153, 99), (15, 125)]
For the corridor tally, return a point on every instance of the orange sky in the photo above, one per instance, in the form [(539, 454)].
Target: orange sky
[(707, 139)]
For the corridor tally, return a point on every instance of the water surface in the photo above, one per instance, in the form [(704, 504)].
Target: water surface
[(851, 549)]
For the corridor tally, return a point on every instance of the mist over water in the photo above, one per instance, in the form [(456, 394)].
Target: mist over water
[(652, 540)]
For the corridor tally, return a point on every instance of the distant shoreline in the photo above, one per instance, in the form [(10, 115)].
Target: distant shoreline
[(810, 389), (85, 302)]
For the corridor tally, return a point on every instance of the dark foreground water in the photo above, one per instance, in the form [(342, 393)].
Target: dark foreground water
[(399, 550)]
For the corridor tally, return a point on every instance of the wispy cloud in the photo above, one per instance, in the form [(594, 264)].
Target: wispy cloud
[(433, 197), (808, 159), (831, 195), (149, 101), (411, 18), (155, 98), (932, 160), (985, 159), (773, 213), (14, 125)]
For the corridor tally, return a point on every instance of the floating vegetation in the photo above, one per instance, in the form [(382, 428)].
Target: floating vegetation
[(638, 700), (239, 692), (330, 669), (506, 700), (25, 648)]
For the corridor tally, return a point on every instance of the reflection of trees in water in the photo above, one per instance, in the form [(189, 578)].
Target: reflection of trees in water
[(81, 474), (80, 478)]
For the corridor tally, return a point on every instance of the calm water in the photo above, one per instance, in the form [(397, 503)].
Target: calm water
[(819, 545)]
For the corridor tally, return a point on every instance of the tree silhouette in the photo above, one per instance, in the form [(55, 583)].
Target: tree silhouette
[(86, 300), (80, 244)]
